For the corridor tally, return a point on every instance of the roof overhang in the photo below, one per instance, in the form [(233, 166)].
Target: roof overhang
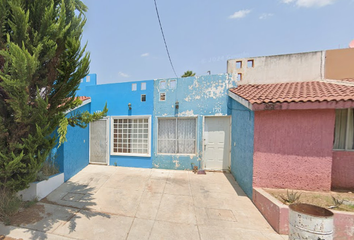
[(240, 100), (292, 105), (303, 105)]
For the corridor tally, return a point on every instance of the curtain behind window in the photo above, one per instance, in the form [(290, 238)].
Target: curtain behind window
[(340, 128), (186, 135), (350, 143), (176, 136), (344, 129), (167, 135)]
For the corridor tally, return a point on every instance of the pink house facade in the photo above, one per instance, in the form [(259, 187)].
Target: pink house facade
[(300, 107), (293, 149), (303, 134)]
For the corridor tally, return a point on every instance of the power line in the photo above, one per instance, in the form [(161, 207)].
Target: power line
[(164, 39)]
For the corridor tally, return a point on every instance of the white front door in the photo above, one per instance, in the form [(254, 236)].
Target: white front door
[(99, 141), (217, 143)]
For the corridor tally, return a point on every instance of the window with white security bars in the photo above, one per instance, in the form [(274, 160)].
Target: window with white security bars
[(131, 136), (177, 135), (344, 130)]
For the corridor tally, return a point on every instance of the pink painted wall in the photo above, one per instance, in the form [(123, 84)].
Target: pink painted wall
[(276, 213), (343, 225), (293, 149), (343, 170)]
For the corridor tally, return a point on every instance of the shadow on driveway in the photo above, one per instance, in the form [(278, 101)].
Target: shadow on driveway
[(57, 209)]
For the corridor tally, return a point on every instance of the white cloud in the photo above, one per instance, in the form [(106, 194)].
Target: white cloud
[(265, 15), (240, 14), (123, 75), (310, 3), (145, 54)]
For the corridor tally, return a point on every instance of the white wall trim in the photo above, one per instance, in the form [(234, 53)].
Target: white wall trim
[(41, 189)]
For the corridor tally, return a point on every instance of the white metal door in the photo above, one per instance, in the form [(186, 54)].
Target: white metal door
[(99, 141), (217, 143)]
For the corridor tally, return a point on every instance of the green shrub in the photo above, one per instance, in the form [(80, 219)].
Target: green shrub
[(49, 168), (291, 197), (9, 205)]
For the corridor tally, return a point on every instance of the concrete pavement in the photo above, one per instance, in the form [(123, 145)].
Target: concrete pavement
[(107, 202)]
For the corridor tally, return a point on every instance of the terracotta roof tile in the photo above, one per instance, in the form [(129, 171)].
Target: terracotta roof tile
[(83, 98), (294, 92)]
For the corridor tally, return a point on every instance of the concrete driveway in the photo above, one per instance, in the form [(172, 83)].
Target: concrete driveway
[(107, 202)]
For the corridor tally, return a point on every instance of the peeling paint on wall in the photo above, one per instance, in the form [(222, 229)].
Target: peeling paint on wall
[(176, 163), (198, 97), (186, 113), (195, 83), (216, 90)]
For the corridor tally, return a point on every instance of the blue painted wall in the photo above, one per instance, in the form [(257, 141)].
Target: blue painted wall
[(73, 155), (89, 80), (197, 97), (118, 96), (242, 146)]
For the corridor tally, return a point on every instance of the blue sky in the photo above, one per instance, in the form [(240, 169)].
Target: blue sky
[(125, 41)]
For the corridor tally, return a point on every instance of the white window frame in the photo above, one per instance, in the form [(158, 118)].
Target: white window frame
[(134, 87), (160, 97), (143, 86), (148, 154), (162, 84), (347, 135), (173, 84), (176, 118)]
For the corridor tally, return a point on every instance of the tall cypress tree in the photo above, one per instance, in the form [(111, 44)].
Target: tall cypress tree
[(41, 65)]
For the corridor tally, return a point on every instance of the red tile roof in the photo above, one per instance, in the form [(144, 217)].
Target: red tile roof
[(83, 98), (315, 91)]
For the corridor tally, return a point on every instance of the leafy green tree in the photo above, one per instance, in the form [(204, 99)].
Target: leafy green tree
[(41, 65), (188, 74)]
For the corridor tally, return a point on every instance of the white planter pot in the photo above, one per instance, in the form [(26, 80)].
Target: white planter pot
[(41, 189)]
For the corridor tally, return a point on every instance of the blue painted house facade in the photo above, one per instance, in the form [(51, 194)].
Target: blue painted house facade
[(174, 123), (192, 122), (123, 138)]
